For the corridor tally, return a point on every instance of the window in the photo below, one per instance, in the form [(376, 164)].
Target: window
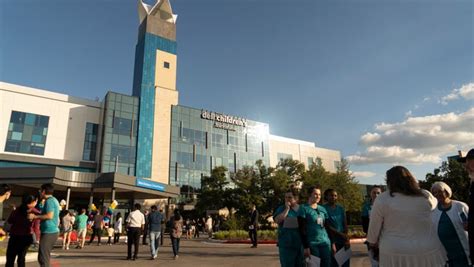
[(27, 133), (166, 65), (122, 126), (122, 154), (283, 156), (310, 161), (90, 142)]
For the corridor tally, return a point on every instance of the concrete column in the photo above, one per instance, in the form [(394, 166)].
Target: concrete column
[(113, 198), (113, 194), (68, 195), (91, 198)]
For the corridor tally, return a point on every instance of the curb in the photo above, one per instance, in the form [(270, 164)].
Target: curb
[(262, 242), (358, 240), (270, 242)]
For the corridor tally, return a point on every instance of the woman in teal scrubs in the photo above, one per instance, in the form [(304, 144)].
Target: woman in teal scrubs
[(313, 221), (289, 241), (337, 214)]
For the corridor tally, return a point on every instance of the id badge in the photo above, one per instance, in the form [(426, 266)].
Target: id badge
[(319, 221)]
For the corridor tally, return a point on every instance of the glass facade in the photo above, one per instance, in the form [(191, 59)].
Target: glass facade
[(27, 133), (200, 142), (90, 142), (120, 134)]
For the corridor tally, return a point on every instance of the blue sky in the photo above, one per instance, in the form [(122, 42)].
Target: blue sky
[(384, 82)]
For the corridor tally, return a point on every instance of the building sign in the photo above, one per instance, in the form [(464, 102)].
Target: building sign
[(224, 126), (145, 183), (223, 121)]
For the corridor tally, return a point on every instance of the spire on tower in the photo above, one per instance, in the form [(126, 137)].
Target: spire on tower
[(161, 9)]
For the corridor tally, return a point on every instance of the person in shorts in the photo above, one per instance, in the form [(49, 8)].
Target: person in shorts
[(68, 223), (81, 226)]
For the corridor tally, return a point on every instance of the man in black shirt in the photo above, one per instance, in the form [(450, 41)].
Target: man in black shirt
[(253, 225)]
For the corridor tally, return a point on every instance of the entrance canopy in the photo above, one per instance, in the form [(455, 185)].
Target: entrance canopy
[(82, 184)]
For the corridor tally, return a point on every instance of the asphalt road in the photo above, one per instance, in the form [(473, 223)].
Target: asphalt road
[(194, 253)]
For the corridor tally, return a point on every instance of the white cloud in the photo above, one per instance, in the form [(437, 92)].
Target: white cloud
[(363, 174), (466, 91), (417, 140)]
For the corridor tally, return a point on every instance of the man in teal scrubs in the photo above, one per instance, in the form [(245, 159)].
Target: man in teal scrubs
[(49, 224)]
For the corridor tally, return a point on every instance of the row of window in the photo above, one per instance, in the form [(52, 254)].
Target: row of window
[(27, 134), (90, 142), (201, 138), (311, 160)]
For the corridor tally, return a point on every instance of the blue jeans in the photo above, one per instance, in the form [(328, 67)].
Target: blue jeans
[(175, 243), (154, 242)]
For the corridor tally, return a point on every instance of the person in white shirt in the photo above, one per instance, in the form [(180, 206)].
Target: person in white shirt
[(135, 224), (209, 226), (118, 227), (450, 220), (400, 224)]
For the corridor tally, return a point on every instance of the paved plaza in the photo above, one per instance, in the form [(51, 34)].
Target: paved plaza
[(196, 252)]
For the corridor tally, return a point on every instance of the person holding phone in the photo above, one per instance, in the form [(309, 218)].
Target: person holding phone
[(290, 247), (450, 219)]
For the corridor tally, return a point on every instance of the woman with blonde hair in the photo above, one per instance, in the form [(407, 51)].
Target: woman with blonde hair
[(401, 226), (450, 220)]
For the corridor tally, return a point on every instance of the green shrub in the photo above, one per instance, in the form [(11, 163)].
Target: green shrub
[(267, 234), (244, 235), (233, 224), (221, 235)]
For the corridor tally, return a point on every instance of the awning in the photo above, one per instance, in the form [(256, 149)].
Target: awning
[(126, 187)]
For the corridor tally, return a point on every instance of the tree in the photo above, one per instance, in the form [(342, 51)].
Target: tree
[(347, 187), (247, 189), (452, 173), (349, 194), (316, 175), (213, 190), (293, 168)]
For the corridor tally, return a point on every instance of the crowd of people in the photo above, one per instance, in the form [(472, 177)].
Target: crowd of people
[(405, 225), (40, 220)]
